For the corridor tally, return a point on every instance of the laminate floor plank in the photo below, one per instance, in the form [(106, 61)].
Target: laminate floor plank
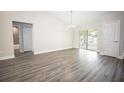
[(70, 65)]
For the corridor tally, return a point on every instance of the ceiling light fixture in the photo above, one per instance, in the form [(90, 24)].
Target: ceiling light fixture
[(71, 25)]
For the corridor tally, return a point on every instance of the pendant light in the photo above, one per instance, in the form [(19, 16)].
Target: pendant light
[(71, 25)]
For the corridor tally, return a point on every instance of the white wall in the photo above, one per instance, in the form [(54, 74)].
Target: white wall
[(49, 33), (114, 17), (6, 42), (99, 25)]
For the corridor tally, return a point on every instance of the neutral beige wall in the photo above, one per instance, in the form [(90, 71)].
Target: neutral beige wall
[(49, 33), (1, 32), (6, 41)]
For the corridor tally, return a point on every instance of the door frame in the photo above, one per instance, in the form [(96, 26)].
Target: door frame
[(32, 31)]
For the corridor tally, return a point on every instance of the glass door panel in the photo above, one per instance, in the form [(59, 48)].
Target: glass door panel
[(83, 39), (88, 39), (92, 39)]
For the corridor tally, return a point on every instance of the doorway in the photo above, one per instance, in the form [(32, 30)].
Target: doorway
[(22, 38), (88, 39), (111, 38)]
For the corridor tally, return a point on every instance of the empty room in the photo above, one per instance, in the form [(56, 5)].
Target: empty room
[(61, 46)]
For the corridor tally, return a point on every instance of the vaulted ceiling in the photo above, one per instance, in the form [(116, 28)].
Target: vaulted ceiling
[(79, 17)]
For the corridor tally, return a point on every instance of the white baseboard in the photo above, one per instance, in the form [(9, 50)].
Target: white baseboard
[(120, 57), (46, 51), (7, 57)]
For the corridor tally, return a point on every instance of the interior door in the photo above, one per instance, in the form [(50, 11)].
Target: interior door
[(27, 38), (111, 39)]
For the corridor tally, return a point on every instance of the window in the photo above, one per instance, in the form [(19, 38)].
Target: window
[(88, 39)]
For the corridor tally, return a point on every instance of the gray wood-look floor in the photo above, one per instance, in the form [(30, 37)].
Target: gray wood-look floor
[(71, 65), (17, 53)]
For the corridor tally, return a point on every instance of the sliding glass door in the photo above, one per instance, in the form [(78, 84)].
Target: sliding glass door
[(83, 39), (88, 39)]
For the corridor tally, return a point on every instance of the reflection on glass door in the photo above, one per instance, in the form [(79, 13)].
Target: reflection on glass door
[(88, 39)]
